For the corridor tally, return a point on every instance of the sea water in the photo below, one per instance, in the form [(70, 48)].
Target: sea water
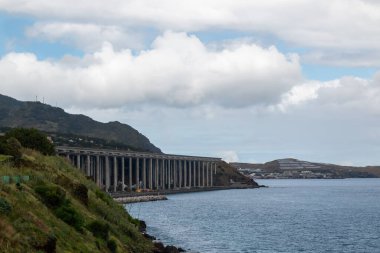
[(289, 216)]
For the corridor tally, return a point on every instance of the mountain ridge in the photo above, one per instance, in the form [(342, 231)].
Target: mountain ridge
[(14, 113)]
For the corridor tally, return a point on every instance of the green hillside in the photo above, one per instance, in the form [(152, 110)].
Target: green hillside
[(70, 127), (48, 206)]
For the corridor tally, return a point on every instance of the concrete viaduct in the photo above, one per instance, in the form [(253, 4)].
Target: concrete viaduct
[(119, 171)]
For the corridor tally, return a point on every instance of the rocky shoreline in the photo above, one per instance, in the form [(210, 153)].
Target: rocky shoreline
[(159, 247)]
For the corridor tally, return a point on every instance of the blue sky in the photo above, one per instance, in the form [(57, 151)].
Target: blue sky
[(247, 81)]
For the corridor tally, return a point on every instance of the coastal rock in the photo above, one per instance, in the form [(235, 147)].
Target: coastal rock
[(171, 249), (142, 226), (160, 248), (150, 237)]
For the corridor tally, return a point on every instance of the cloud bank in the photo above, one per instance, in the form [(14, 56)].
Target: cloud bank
[(178, 70), (344, 25)]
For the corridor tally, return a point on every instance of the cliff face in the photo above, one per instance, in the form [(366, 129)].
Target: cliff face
[(50, 119), (228, 175)]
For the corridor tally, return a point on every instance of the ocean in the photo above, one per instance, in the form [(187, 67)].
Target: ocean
[(340, 215)]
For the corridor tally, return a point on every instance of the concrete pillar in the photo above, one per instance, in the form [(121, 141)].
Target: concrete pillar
[(108, 178), (213, 170), (151, 173), (115, 179), (156, 170), (162, 170), (180, 173), (169, 173), (195, 174), (130, 174), (185, 173), (137, 173), (190, 174), (199, 173), (207, 173), (88, 163), (144, 173), (175, 174), (78, 162), (203, 174), (166, 179), (122, 174), (101, 164), (97, 170)]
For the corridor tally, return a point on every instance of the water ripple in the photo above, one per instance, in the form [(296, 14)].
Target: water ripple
[(290, 216)]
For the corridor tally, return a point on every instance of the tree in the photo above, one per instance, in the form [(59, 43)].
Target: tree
[(32, 138)]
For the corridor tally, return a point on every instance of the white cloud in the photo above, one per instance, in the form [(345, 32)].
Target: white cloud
[(348, 94), (229, 156), (339, 24), (179, 70), (86, 36)]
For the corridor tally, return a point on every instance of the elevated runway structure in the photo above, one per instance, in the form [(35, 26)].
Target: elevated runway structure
[(119, 171)]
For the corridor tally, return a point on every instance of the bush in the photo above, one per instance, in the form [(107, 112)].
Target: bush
[(99, 229), (5, 207), (49, 246), (13, 148), (32, 138), (55, 198), (112, 246), (52, 196), (69, 215), (103, 196), (2, 145), (81, 193)]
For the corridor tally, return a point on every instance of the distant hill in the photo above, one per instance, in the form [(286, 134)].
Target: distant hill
[(70, 129), (291, 164)]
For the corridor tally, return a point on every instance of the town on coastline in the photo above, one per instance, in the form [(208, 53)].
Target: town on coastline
[(290, 168)]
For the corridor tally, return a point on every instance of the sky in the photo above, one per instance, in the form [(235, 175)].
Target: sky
[(248, 81)]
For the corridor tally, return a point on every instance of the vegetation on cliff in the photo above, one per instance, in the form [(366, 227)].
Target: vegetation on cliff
[(48, 206), (228, 175)]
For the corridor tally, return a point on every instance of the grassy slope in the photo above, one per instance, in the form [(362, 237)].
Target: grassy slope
[(30, 222)]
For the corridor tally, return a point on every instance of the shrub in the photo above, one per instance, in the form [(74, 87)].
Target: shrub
[(69, 215), (64, 181), (101, 195), (81, 193), (13, 148), (5, 207), (32, 138), (2, 145), (99, 229), (112, 246), (52, 196), (49, 246)]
